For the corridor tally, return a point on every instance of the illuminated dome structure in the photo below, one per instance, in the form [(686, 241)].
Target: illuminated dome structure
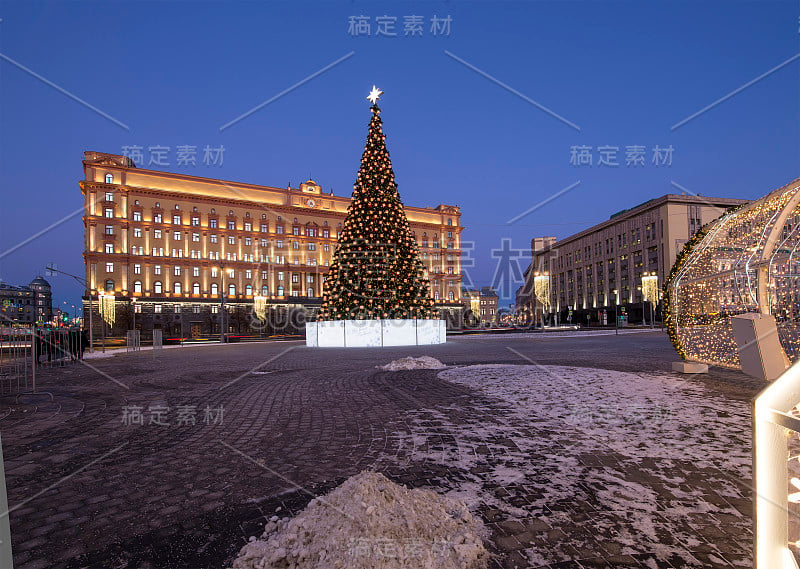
[(745, 261)]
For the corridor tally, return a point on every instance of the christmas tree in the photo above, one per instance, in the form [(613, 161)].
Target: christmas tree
[(376, 271)]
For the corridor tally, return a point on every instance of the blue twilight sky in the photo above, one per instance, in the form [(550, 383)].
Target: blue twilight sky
[(174, 73)]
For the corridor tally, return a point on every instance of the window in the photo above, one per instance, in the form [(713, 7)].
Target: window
[(212, 223), (196, 309), (137, 231), (295, 278), (231, 240), (137, 308), (295, 230), (214, 289), (248, 274), (264, 290), (109, 197), (213, 238), (176, 287), (156, 218), (264, 227), (137, 269), (157, 287), (176, 219), (137, 216), (109, 178), (196, 288), (109, 212), (195, 221), (109, 267), (109, 285), (280, 275), (279, 244), (279, 229), (231, 225), (248, 290), (195, 237), (176, 235), (214, 272), (109, 248), (326, 247), (326, 233), (231, 289), (248, 226), (231, 273), (312, 246), (280, 290), (176, 309), (156, 269), (157, 307), (451, 296), (177, 271), (264, 243), (137, 287), (310, 278), (156, 234), (214, 309), (310, 291), (295, 244)]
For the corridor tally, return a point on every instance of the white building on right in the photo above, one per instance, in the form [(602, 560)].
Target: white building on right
[(603, 266)]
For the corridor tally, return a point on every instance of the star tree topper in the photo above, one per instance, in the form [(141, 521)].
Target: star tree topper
[(374, 95)]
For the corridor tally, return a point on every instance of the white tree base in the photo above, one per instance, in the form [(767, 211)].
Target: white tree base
[(689, 367), (375, 333)]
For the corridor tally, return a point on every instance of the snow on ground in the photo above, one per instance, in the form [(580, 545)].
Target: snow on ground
[(370, 522), (625, 463), (422, 362)]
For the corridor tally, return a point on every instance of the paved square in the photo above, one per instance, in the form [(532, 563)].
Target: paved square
[(198, 447)]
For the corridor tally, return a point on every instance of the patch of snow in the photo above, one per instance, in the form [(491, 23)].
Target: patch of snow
[(422, 362), (370, 522)]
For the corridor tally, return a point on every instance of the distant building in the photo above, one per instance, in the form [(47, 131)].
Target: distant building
[(173, 249), (602, 267), (26, 304), (525, 301), (489, 305)]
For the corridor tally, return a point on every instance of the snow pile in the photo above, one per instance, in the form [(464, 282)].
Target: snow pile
[(370, 522), (422, 362)]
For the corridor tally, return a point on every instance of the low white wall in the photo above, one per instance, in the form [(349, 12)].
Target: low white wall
[(375, 333)]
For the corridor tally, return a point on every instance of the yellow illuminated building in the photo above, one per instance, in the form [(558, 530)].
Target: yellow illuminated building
[(185, 245)]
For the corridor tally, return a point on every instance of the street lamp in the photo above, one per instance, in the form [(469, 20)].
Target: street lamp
[(222, 304), (616, 311), (650, 292)]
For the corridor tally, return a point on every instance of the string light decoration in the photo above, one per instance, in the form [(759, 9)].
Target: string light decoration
[(107, 304), (376, 272), (260, 307), (541, 288), (744, 261), (650, 287)]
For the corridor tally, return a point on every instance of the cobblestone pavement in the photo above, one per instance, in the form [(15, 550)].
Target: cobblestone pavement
[(87, 490)]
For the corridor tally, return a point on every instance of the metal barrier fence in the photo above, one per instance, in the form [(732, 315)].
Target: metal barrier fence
[(24, 350), (16, 361), (158, 341)]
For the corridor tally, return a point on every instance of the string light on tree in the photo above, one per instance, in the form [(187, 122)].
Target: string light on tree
[(376, 272)]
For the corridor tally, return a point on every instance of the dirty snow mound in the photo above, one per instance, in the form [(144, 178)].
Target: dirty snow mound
[(422, 362), (370, 522)]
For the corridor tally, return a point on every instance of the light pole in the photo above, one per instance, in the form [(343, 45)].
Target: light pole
[(222, 304), (541, 291), (616, 311)]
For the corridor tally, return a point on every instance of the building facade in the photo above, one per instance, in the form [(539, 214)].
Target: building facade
[(490, 304), (26, 305), (179, 249), (602, 267)]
